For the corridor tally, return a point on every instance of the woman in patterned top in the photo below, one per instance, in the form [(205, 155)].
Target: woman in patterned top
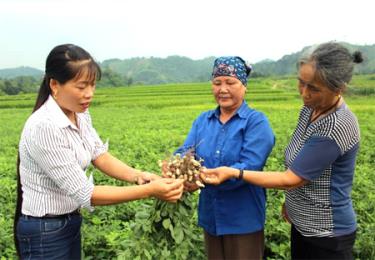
[(320, 160), (57, 145)]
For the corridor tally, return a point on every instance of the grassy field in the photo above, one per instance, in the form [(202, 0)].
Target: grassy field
[(146, 123)]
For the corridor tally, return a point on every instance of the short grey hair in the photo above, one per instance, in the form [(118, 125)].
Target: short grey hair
[(333, 63)]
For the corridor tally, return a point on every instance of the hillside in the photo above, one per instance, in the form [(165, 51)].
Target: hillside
[(287, 64), (20, 71), (178, 69), (172, 69), (175, 69)]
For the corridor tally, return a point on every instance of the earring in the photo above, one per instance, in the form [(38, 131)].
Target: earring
[(54, 96)]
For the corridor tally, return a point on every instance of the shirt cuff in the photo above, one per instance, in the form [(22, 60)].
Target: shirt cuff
[(100, 149), (86, 194)]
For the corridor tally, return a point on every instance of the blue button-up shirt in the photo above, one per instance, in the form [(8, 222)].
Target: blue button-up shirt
[(243, 142)]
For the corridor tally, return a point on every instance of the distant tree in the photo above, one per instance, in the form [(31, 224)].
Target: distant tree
[(2, 87), (129, 81), (203, 78), (26, 84), (149, 77), (111, 79), (256, 74), (9, 88)]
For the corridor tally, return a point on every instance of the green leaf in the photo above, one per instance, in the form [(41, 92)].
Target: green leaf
[(183, 211), (171, 230), (147, 254), (166, 223), (141, 215), (96, 221), (157, 216), (165, 253), (178, 234)]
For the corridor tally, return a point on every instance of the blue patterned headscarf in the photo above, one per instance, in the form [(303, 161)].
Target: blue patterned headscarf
[(232, 66)]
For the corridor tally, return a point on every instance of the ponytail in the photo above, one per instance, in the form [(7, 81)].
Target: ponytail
[(43, 94)]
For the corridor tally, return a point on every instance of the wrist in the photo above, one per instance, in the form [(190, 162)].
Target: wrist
[(136, 176), (148, 190), (240, 174)]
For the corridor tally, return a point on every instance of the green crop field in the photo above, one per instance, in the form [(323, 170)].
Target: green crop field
[(144, 124)]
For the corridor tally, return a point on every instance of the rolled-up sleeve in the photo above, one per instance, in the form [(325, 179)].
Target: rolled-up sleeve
[(50, 149), (97, 146), (256, 147)]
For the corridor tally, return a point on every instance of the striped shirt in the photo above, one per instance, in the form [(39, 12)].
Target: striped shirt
[(54, 155), (324, 153)]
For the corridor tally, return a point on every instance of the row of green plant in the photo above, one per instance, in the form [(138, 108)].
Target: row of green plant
[(147, 123)]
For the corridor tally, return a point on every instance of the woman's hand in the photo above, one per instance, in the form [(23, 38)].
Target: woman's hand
[(164, 168), (217, 175), (146, 177), (190, 186), (284, 213), (167, 189)]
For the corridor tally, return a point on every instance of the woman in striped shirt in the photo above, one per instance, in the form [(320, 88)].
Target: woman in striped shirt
[(320, 160), (57, 145)]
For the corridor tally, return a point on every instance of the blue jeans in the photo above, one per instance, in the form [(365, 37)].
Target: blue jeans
[(50, 238)]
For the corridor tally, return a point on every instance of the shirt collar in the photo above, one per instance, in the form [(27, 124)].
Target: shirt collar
[(241, 111), (56, 114)]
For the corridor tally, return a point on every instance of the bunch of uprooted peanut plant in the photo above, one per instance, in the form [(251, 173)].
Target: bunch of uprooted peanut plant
[(183, 167), (169, 227)]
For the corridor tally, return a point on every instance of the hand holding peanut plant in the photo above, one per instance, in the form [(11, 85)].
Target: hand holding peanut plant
[(184, 167)]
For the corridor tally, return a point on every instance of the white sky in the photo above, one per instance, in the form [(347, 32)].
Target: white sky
[(254, 30)]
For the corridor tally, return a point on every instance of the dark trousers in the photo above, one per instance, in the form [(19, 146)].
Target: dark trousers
[(50, 238), (242, 246), (321, 247)]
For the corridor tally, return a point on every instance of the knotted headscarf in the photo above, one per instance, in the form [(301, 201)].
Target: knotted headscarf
[(232, 66)]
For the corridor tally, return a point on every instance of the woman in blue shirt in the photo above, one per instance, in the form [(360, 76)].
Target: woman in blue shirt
[(232, 214), (320, 160)]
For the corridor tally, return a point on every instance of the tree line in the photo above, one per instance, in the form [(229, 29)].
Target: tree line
[(30, 84)]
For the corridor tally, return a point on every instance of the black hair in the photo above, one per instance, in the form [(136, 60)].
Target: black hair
[(64, 62), (333, 64)]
